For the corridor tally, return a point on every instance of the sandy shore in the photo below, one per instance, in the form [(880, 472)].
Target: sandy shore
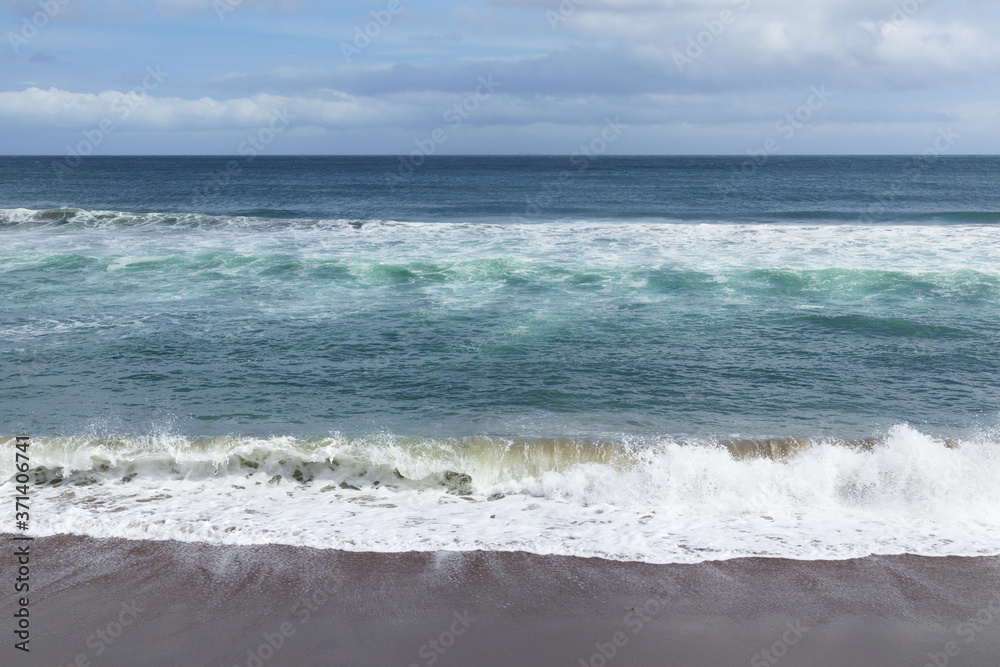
[(114, 602)]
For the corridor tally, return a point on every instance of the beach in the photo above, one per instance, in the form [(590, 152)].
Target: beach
[(199, 604)]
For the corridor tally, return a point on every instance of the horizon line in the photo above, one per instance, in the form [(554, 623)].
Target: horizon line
[(493, 155)]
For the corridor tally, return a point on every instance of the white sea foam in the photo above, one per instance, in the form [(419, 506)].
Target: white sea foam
[(711, 246), (654, 501)]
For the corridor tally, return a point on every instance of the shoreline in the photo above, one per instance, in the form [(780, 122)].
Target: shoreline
[(173, 603)]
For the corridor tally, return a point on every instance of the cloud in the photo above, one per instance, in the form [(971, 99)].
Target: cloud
[(857, 43), (894, 72), (60, 108), (416, 112), (575, 71)]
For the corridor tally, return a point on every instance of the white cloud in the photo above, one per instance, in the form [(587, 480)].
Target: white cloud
[(873, 42), (954, 46), (61, 108), (902, 74)]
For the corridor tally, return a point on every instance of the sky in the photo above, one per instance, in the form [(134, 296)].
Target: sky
[(351, 77)]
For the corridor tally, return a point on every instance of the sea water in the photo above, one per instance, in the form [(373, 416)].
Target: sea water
[(655, 359)]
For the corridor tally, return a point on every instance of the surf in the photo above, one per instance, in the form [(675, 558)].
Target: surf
[(645, 499)]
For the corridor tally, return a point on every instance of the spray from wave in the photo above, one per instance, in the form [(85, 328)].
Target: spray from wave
[(649, 500)]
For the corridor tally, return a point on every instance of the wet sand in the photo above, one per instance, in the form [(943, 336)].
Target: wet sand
[(116, 602)]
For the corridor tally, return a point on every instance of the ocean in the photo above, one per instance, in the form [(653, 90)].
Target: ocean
[(656, 359)]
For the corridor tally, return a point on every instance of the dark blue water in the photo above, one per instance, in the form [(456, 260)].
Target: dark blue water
[(521, 296), (903, 189)]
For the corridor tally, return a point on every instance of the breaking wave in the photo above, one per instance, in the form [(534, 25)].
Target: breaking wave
[(654, 500)]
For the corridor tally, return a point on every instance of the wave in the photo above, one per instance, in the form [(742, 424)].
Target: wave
[(492, 460), (887, 214), (70, 218), (655, 500), (704, 245), (196, 272)]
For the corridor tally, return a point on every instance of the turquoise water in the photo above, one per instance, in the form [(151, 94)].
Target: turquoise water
[(500, 296)]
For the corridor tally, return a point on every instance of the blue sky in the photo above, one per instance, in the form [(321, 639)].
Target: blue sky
[(683, 76)]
